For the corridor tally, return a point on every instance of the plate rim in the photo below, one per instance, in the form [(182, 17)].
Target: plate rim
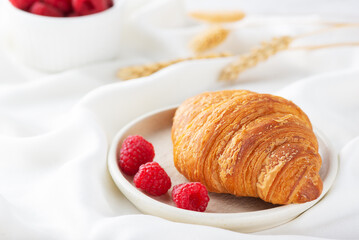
[(186, 216)]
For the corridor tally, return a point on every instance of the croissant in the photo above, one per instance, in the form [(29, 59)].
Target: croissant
[(247, 144)]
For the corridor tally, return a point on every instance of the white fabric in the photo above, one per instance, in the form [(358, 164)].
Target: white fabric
[(55, 129)]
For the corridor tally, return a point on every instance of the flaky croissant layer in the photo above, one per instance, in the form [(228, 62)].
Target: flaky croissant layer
[(247, 144)]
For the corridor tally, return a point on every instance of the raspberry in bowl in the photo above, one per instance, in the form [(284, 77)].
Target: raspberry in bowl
[(52, 37), (62, 8)]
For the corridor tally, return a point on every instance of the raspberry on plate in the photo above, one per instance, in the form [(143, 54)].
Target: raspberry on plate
[(191, 196), (134, 152), (22, 4), (45, 9), (153, 179)]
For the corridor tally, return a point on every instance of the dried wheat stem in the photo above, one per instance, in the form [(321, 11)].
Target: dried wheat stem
[(267, 49), (331, 27), (329, 45), (132, 72), (218, 16), (209, 39)]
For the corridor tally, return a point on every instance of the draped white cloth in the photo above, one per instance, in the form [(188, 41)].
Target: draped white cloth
[(55, 129)]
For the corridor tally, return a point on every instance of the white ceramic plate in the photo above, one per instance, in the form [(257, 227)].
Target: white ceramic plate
[(243, 214)]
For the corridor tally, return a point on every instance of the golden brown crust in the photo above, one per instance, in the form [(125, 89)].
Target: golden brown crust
[(247, 144)]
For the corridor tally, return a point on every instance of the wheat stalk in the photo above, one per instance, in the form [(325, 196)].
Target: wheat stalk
[(244, 62), (132, 72), (218, 16), (329, 45), (209, 39), (267, 49)]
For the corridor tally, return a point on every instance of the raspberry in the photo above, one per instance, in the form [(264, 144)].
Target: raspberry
[(62, 5), (135, 151), (44, 9), (22, 4), (109, 3), (191, 196), (86, 7), (153, 179), (73, 14)]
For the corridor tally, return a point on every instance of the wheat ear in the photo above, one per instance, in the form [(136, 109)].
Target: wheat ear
[(132, 72), (209, 39), (218, 16), (267, 49)]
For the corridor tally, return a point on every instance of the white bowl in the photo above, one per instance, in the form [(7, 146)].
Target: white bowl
[(55, 44)]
